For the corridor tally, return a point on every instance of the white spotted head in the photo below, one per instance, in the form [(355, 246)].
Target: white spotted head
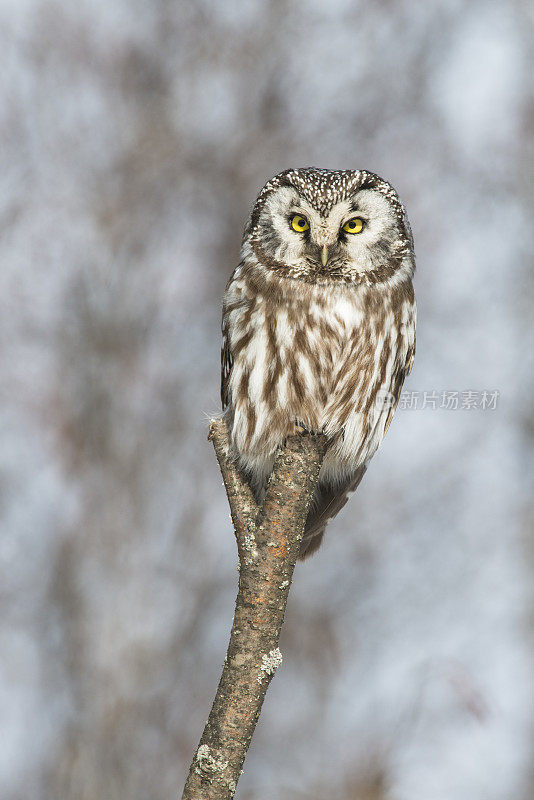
[(329, 226)]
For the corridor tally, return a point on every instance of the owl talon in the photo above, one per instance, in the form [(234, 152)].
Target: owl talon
[(300, 428)]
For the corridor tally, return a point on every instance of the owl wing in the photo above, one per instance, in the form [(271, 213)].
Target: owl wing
[(226, 366), (398, 382), (233, 302)]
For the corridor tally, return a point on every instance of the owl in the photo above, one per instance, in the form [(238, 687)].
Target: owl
[(318, 327)]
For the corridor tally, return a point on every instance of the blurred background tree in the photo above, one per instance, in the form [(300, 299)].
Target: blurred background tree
[(135, 136)]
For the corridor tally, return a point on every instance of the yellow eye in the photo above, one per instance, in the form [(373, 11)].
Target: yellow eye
[(354, 225), (299, 223)]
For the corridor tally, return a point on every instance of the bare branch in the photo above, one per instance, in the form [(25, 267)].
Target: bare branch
[(243, 507), (268, 546)]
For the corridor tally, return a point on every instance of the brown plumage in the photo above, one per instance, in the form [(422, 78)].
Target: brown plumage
[(319, 327)]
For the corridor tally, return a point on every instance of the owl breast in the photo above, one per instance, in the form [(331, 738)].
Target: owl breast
[(315, 356)]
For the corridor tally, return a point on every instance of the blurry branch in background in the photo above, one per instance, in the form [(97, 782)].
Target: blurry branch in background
[(268, 543)]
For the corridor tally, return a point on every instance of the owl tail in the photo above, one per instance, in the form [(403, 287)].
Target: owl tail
[(327, 501), (310, 544)]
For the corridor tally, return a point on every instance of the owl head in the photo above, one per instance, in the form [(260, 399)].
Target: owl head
[(327, 226)]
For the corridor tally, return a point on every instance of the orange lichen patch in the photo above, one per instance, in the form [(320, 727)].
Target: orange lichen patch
[(280, 550), (279, 544), (256, 599)]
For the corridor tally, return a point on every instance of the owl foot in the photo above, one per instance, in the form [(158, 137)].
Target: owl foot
[(300, 428)]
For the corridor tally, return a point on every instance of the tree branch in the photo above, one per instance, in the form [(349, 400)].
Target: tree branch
[(243, 507), (268, 541)]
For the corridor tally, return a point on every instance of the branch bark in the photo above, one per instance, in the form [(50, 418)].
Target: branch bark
[(268, 541)]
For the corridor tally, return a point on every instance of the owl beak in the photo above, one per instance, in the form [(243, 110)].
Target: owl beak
[(324, 255)]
